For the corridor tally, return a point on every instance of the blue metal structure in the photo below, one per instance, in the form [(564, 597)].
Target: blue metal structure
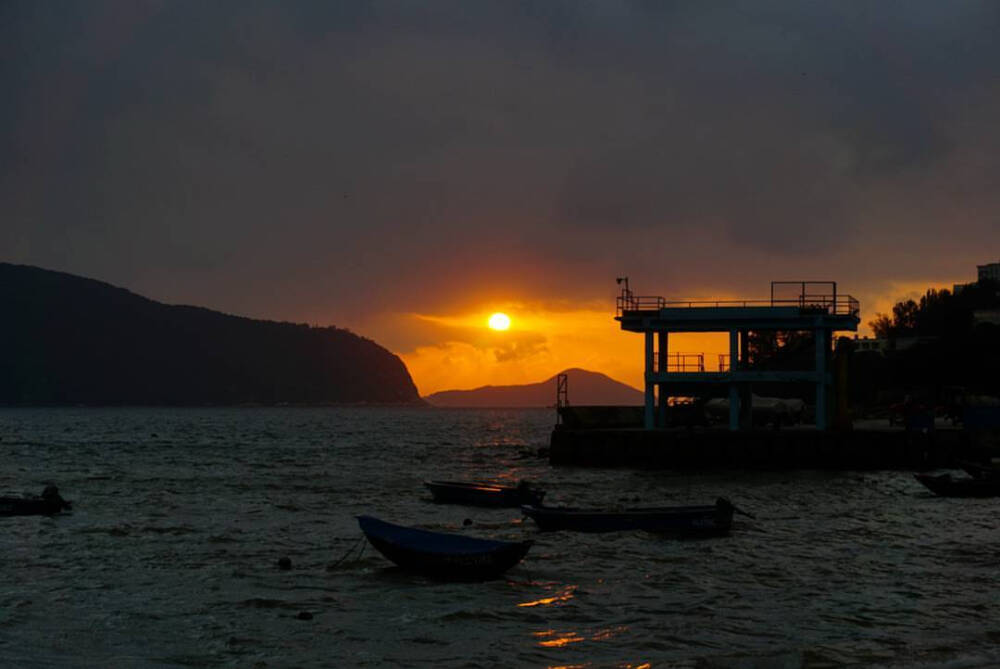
[(793, 306)]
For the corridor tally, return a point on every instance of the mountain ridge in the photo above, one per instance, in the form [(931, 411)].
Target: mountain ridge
[(75, 340), (584, 387)]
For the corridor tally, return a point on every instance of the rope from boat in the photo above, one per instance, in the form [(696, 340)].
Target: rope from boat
[(350, 550)]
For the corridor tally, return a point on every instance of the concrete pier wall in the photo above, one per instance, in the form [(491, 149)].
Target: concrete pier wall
[(760, 449)]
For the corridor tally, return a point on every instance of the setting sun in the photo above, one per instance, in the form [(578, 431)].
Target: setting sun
[(499, 321)]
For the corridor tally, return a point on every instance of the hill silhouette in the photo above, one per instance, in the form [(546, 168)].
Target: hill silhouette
[(71, 340), (585, 388)]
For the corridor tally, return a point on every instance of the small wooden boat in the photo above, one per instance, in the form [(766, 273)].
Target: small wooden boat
[(48, 504), (443, 555), (706, 520), (946, 486), (484, 494)]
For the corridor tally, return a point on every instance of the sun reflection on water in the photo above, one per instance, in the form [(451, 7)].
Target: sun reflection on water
[(551, 638), (563, 595), (644, 665), (609, 633), (560, 641)]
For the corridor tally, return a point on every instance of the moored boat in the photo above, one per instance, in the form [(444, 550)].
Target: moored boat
[(704, 520), (980, 470), (443, 555), (475, 493), (48, 504), (946, 486)]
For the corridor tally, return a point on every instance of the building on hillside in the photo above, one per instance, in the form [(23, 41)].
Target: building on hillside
[(888, 344), (904, 343), (988, 272), (982, 316), (870, 344)]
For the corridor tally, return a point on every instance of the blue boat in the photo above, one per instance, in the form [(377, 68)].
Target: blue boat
[(443, 555), (706, 520)]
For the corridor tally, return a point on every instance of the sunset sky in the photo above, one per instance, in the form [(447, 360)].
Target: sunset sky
[(406, 169)]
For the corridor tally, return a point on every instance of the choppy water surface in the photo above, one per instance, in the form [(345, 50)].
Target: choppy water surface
[(169, 558)]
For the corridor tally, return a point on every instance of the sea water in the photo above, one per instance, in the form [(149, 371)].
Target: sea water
[(170, 555)]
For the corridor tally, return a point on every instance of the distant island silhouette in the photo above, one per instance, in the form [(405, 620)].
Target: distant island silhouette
[(68, 340), (585, 388)]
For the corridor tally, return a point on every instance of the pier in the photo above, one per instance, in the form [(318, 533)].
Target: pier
[(651, 436), (810, 306), (866, 447)]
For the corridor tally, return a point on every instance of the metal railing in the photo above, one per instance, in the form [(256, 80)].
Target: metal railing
[(818, 303), (681, 362), (724, 364), (631, 302)]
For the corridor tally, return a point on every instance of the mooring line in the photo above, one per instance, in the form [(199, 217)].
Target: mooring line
[(349, 551)]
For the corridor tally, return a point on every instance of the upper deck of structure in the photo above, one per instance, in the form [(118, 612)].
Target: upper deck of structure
[(793, 305)]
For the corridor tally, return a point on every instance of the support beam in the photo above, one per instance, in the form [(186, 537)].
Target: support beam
[(649, 417), (734, 392), (746, 407), (734, 407), (661, 366), (821, 374), (734, 350), (839, 389), (746, 399)]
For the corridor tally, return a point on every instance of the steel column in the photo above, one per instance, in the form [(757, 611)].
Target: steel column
[(649, 417), (661, 367), (821, 355), (734, 392)]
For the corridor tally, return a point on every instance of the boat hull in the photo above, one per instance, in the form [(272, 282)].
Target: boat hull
[(707, 520), (946, 486), (980, 471), (49, 503), (483, 494), (442, 555)]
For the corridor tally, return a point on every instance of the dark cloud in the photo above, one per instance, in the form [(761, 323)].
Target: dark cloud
[(333, 161)]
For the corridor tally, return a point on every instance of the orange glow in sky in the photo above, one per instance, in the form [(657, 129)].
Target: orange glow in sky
[(508, 343), (539, 343)]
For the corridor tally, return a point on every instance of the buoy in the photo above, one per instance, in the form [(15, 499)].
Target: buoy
[(305, 615), (284, 564)]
